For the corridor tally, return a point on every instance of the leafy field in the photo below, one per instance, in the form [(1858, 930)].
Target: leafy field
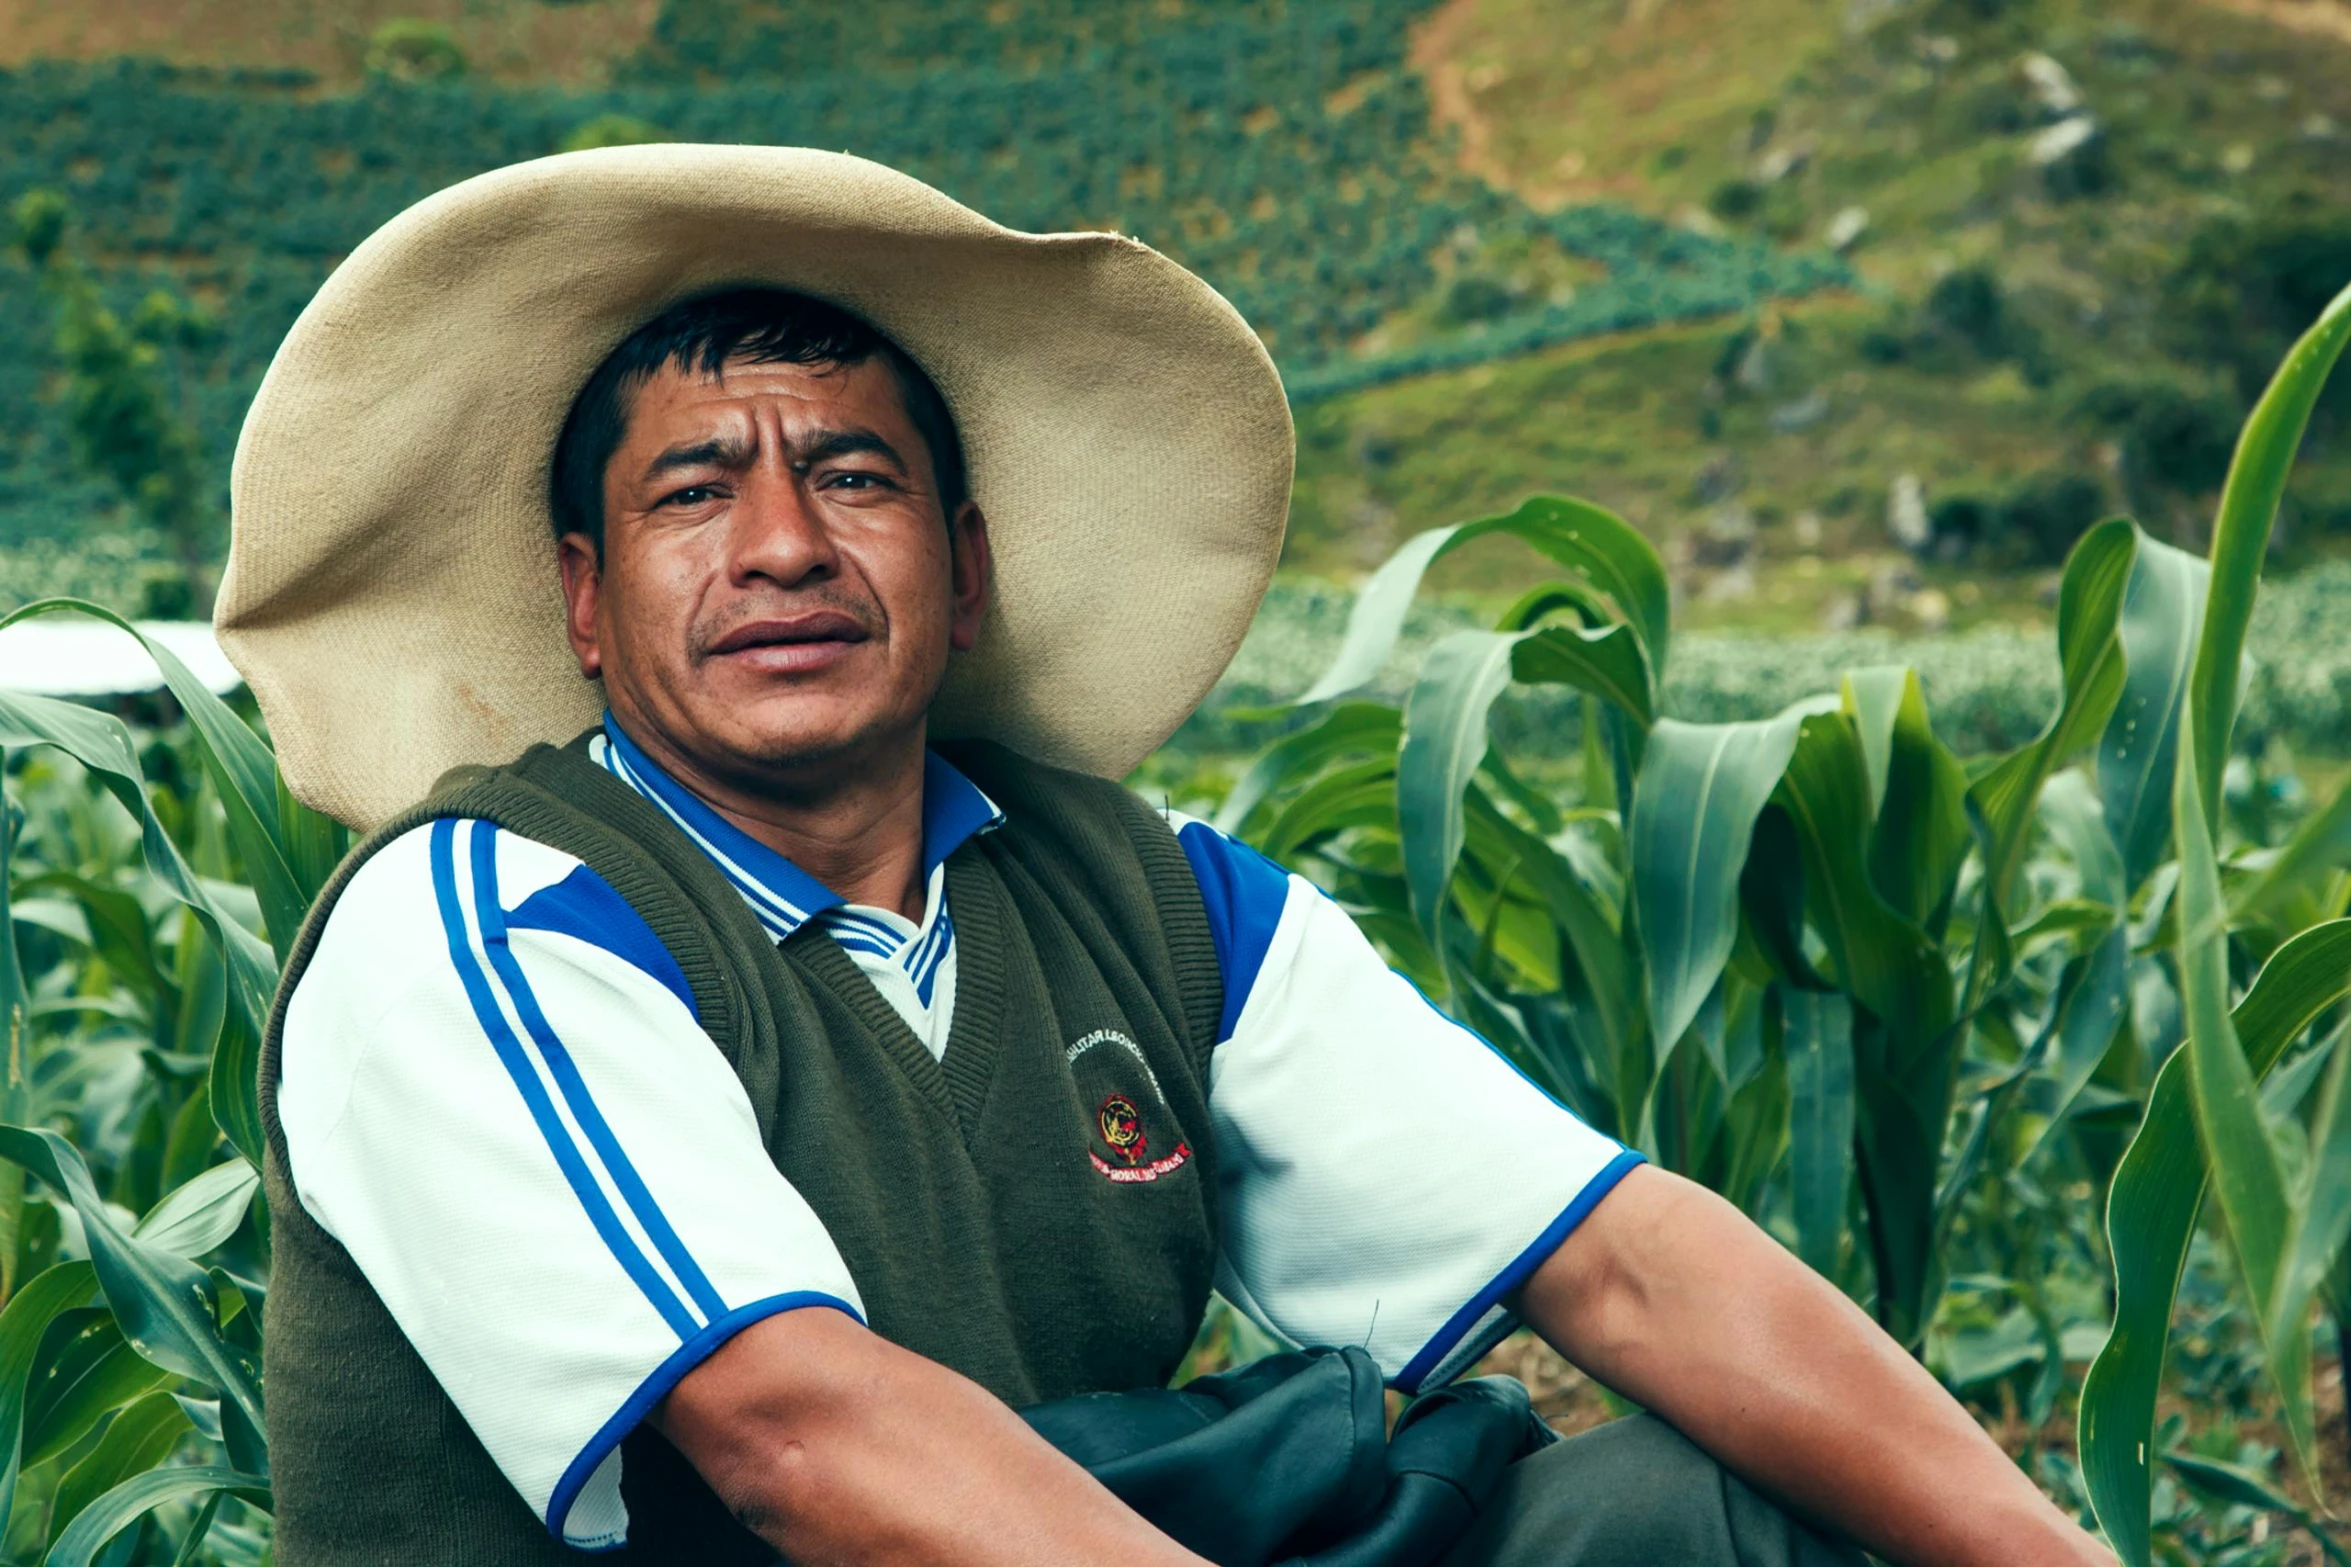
[(1923, 1019), (1286, 153)]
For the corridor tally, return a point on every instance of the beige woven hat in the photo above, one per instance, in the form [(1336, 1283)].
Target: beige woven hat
[(391, 592)]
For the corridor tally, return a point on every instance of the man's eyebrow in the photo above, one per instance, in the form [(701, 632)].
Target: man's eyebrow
[(719, 451), (847, 443)]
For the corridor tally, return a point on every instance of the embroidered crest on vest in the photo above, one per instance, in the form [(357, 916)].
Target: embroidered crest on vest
[(1120, 1144)]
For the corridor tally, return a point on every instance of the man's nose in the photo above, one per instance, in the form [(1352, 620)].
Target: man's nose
[(776, 531)]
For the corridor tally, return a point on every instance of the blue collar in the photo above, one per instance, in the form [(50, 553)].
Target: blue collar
[(784, 896)]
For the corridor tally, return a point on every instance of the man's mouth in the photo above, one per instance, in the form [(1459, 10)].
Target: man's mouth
[(791, 644)]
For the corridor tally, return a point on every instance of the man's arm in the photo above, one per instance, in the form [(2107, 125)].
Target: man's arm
[(1669, 1295), (838, 1447)]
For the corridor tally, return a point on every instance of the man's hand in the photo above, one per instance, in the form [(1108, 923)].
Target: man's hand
[(1669, 1295), (836, 1446)]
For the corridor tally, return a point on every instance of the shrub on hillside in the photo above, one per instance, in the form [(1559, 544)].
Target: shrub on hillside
[(408, 49), (2042, 516), (611, 130), (2172, 436), (2246, 288)]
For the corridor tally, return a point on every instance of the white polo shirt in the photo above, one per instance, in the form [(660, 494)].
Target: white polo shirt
[(497, 1096)]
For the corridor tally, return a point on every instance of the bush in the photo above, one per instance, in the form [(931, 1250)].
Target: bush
[(2043, 515), (2171, 436), (611, 130), (1970, 305), (2245, 289), (1474, 296), (406, 49)]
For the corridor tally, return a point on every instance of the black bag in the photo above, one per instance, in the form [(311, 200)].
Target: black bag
[(1288, 1459), (1284, 1462)]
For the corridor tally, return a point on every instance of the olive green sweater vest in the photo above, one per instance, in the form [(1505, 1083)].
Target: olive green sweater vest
[(987, 1205)]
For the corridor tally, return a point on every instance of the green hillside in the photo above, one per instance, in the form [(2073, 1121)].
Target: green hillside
[(2047, 326), (1285, 152), (1496, 245)]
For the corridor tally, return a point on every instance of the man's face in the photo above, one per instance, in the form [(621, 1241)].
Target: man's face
[(779, 589)]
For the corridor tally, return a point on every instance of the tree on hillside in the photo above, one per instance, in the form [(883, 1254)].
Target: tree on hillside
[(119, 402)]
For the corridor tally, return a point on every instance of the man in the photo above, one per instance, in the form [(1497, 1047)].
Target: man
[(697, 1140)]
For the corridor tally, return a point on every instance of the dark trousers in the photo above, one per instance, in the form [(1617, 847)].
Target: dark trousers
[(1636, 1493)]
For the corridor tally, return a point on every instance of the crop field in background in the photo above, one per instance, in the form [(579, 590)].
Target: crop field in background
[(1285, 152)]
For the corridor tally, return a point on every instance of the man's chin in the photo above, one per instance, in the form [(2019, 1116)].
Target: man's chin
[(795, 735)]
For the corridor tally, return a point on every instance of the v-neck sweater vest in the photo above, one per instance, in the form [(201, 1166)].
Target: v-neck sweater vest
[(969, 1195)]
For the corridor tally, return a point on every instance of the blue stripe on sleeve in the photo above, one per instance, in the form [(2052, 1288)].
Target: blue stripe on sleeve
[(1244, 892), (534, 1093), (1520, 1269), (700, 1347), (574, 1088), (583, 905)]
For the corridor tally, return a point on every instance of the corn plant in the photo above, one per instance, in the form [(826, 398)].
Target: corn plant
[(1800, 958), (1814, 959), (138, 1024)]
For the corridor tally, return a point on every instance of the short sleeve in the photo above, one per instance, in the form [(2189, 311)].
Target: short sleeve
[(497, 1097), (1385, 1176)]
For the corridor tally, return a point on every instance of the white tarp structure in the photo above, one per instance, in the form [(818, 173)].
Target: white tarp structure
[(75, 656)]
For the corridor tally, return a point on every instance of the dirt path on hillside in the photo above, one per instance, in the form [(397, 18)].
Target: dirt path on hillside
[(1451, 103)]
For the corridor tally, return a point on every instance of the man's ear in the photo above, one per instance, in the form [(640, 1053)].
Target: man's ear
[(583, 581), (974, 573)]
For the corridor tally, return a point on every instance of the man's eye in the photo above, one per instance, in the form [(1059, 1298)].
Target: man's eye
[(691, 495), (855, 481)]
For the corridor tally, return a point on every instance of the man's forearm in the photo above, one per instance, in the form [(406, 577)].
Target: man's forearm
[(1672, 1297), (838, 1447)]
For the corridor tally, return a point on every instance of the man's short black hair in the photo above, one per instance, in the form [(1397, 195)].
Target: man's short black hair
[(763, 326)]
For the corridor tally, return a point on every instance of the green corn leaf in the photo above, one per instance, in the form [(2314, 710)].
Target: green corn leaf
[(1360, 794), (2233, 1485), (24, 1325), (101, 743), (86, 1371), (2246, 1174), (233, 1090), (136, 1440), (1918, 792), (1607, 663), (201, 1214), (2245, 1170), (2285, 891), (2075, 818), (1350, 729), (1444, 741), (241, 766), (1695, 801), (2138, 753), (2097, 1008), (2150, 1213), (1598, 979), (140, 1495), (164, 1302), (1904, 1047), (16, 1081), (192, 1546), (119, 932), (1819, 1048), (1446, 737), (1608, 556), (2321, 1217), (2090, 657), (2240, 538)]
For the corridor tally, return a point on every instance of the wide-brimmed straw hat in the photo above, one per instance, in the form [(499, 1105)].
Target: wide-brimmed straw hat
[(392, 593)]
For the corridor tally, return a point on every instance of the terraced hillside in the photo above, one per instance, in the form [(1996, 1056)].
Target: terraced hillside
[(1286, 152), (1863, 309)]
